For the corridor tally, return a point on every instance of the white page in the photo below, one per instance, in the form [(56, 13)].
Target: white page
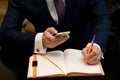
[(45, 67), (58, 58), (75, 62)]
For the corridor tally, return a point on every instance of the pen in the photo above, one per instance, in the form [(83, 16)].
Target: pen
[(90, 47)]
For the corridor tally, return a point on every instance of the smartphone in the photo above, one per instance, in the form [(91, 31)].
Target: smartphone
[(62, 34)]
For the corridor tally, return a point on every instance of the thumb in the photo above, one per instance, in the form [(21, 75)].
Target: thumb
[(84, 52)]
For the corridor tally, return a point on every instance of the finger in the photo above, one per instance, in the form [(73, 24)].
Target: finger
[(93, 62), (52, 30), (60, 41), (84, 51), (57, 39), (100, 55), (65, 38), (49, 33), (93, 55), (92, 59), (52, 44), (95, 59), (95, 52)]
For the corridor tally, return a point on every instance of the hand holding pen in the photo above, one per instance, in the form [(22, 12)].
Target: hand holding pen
[(92, 53)]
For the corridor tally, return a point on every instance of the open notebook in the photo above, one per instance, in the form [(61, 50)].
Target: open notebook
[(58, 63)]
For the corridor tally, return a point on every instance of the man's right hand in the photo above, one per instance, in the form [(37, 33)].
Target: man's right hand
[(50, 41)]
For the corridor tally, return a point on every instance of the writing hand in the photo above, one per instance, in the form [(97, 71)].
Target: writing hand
[(95, 55)]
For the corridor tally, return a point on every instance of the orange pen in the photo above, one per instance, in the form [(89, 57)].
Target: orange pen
[(90, 47)]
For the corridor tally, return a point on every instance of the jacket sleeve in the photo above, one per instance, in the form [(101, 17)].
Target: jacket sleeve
[(10, 32), (101, 22)]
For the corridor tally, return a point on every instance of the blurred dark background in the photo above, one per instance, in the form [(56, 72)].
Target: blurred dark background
[(111, 61)]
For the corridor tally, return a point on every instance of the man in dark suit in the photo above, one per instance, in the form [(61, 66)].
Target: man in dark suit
[(82, 18)]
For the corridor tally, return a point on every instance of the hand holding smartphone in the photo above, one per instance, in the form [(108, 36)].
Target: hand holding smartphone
[(62, 34)]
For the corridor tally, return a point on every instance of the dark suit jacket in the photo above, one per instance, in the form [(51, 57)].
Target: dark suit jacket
[(82, 17)]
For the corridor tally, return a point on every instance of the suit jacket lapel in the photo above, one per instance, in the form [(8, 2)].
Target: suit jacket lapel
[(42, 5)]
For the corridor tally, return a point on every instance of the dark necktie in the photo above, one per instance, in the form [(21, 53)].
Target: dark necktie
[(60, 9)]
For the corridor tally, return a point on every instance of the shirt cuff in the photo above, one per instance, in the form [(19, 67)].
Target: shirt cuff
[(38, 45)]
